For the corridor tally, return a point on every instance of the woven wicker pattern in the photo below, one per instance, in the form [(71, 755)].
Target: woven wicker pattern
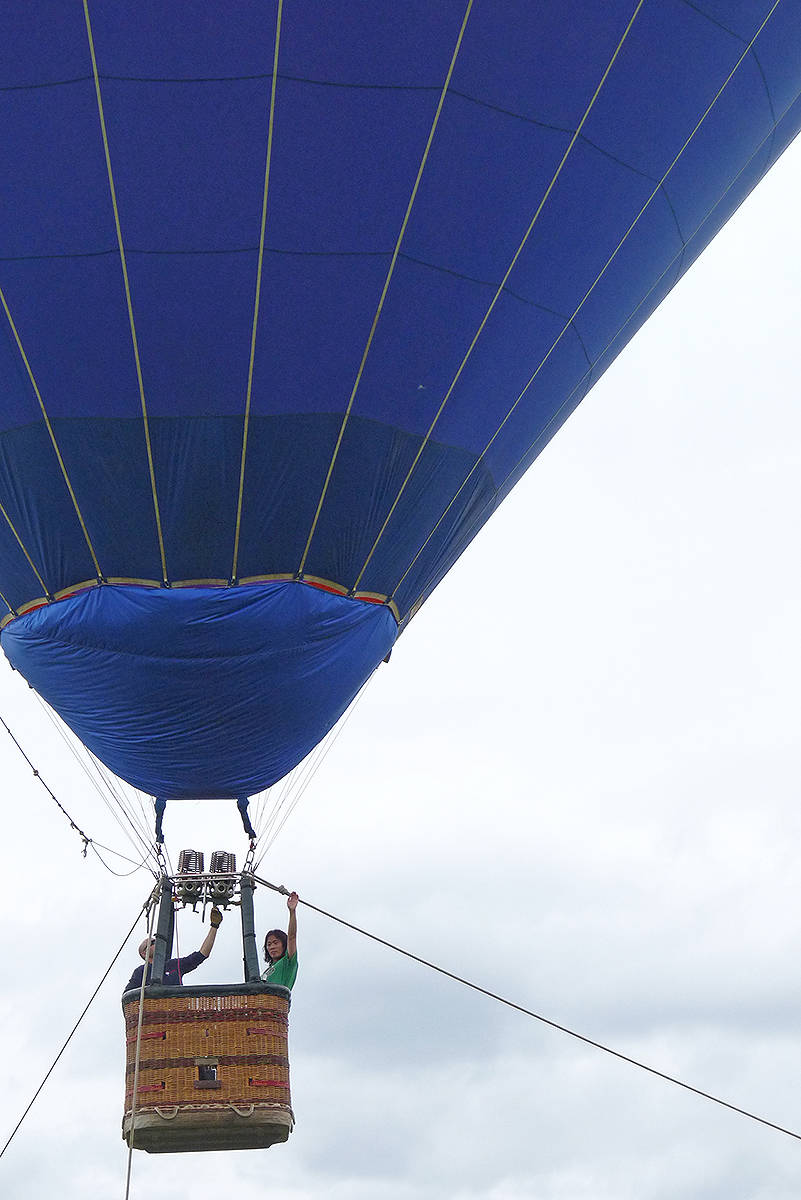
[(242, 1040)]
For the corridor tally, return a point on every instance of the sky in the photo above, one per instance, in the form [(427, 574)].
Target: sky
[(576, 783)]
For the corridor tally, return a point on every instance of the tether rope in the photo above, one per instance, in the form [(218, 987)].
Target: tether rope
[(634, 1062), (74, 1028), (87, 841), (387, 282), (151, 901)]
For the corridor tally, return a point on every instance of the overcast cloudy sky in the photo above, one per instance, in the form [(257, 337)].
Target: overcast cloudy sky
[(577, 783)]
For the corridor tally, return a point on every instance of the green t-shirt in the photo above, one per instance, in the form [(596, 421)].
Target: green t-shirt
[(284, 972)]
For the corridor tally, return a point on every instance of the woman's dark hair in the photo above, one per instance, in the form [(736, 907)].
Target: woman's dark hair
[(279, 933)]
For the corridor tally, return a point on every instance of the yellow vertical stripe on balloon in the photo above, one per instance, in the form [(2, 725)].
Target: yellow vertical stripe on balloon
[(38, 394), (126, 283), (385, 288), (245, 430)]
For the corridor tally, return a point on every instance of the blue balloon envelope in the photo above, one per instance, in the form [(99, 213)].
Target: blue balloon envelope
[(293, 295)]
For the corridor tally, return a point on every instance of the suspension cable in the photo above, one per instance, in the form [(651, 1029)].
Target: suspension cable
[(86, 839), (306, 771), (104, 784), (538, 1017), (152, 915), (117, 799), (137, 866), (88, 843), (75, 1026)]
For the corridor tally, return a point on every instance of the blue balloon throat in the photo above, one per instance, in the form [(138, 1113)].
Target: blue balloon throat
[(201, 692)]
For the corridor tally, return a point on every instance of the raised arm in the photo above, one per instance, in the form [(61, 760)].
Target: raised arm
[(292, 928), (208, 941)]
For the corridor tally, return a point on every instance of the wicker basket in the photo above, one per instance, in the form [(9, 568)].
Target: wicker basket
[(213, 1068)]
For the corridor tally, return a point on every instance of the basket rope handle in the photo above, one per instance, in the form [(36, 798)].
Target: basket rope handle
[(242, 1112)]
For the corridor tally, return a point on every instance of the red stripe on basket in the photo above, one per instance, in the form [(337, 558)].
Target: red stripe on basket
[(132, 1038), (151, 1087), (268, 1083)]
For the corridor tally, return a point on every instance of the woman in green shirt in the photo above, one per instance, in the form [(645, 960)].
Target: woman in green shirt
[(281, 950)]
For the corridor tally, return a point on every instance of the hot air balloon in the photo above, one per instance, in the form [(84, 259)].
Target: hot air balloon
[(292, 297)]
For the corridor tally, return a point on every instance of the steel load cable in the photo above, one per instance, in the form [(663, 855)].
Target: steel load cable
[(52, 1066), (527, 1012), (300, 778), (87, 841), (107, 787), (140, 1017)]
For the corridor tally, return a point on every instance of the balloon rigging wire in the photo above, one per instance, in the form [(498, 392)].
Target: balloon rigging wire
[(294, 787), (105, 975), (88, 764), (260, 806), (141, 822), (276, 821), (527, 1012), (137, 866), (290, 796), (134, 807), (86, 839), (97, 775), (324, 751), (109, 794)]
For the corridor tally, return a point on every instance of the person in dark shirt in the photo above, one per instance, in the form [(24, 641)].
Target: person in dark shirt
[(175, 968)]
